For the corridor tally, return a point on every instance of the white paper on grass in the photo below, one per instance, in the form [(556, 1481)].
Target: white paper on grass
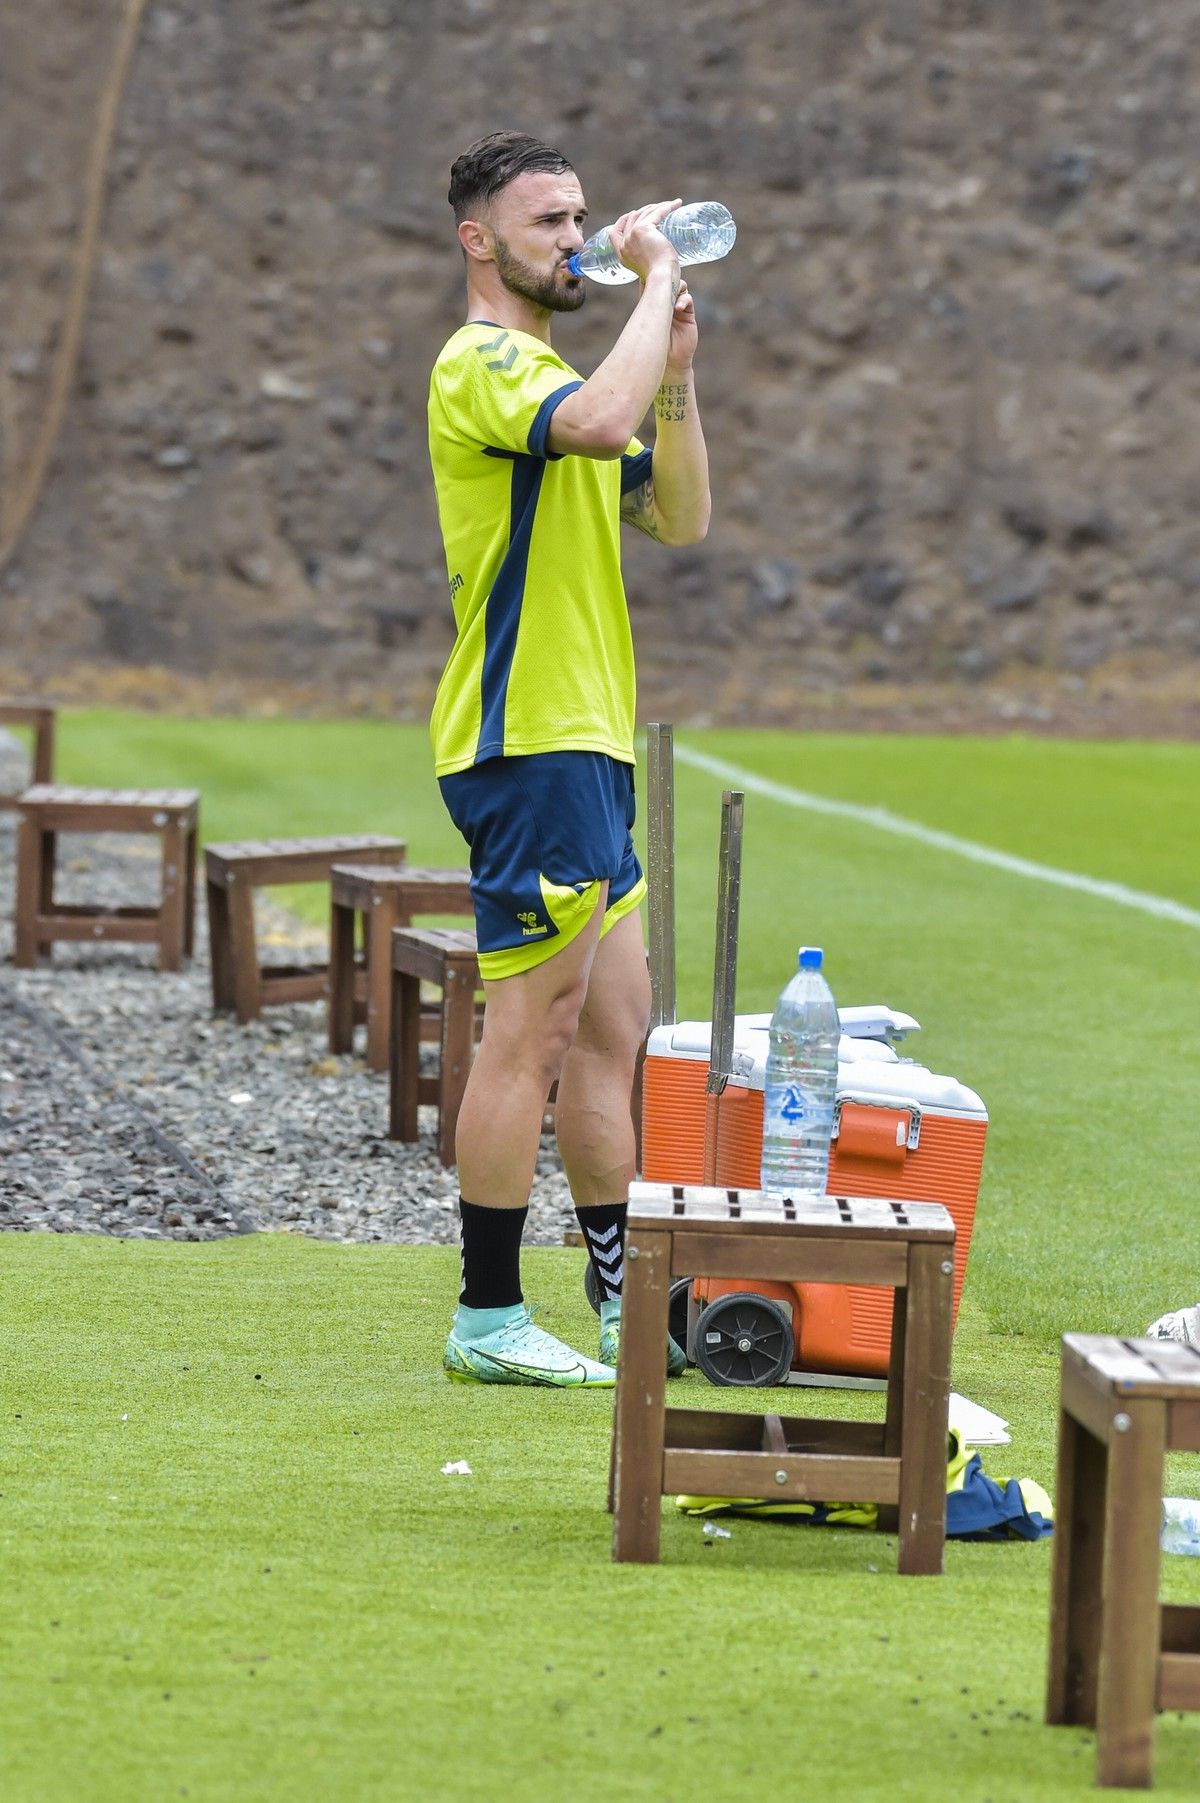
[(977, 1425)]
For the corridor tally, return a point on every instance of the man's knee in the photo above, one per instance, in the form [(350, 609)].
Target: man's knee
[(634, 1025), (537, 1038), (616, 1024), (561, 1028)]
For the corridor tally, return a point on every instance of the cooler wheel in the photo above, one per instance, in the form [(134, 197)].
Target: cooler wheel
[(744, 1338)]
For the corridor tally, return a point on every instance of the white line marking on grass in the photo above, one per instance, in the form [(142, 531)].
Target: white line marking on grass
[(886, 822)]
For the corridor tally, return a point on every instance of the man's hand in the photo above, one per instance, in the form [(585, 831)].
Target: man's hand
[(684, 335), (639, 243)]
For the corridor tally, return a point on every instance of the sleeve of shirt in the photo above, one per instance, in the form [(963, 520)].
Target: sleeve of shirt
[(635, 466), (500, 393)]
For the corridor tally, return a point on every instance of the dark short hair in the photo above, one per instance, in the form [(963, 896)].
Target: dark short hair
[(489, 164)]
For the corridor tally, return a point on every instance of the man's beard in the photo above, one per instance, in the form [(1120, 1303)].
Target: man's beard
[(549, 291)]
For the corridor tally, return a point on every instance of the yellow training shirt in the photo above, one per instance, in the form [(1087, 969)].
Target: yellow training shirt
[(543, 660)]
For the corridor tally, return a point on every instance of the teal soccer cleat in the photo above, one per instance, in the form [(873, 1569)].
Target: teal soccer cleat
[(521, 1353), (610, 1341)]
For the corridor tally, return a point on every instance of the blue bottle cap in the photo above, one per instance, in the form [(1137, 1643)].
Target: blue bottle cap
[(810, 957)]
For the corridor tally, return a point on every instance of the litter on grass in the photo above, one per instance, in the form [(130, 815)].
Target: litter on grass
[(1182, 1324), (456, 1468), (1181, 1525), (713, 1532), (977, 1425)]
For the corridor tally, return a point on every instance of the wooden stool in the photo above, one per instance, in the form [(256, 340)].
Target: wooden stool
[(40, 716), (233, 872), (47, 810), (1116, 1653), (444, 956), (700, 1232), (385, 898)]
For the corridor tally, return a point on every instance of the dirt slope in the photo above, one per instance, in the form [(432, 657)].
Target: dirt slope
[(950, 372)]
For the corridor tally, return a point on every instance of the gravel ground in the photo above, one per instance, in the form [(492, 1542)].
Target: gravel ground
[(128, 1107)]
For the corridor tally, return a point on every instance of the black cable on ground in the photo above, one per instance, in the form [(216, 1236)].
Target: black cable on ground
[(37, 1017)]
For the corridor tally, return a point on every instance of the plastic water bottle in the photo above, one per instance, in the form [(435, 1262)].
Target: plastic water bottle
[(801, 1085), (1181, 1525), (702, 232)]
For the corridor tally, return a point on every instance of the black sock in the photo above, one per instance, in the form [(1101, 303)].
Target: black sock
[(491, 1255), (604, 1237)]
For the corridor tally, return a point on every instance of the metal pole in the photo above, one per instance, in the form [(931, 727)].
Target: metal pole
[(660, 870), (729, 889)]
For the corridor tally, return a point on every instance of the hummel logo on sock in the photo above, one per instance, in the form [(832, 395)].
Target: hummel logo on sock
[(604, 1235), (608, 1257)]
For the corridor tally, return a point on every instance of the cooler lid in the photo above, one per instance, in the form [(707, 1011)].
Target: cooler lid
[(867, 1069), (905, 1082), (751, 1042), (693, 1039), (865, 1051), (877, 1022), (872, 1022)]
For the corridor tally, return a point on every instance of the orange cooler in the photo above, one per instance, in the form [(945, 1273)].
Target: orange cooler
[(900, 1131)]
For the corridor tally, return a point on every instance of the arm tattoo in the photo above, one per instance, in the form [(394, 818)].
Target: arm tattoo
[(670, 403), (638, 509)]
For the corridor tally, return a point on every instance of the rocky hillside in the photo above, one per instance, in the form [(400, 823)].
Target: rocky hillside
[(951, 372)]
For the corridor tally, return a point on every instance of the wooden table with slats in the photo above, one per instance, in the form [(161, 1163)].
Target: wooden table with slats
[(48, 809), (240, 982), (899, 1463), (40, 718), (1116, 1653), (444, 957), (383, 897)]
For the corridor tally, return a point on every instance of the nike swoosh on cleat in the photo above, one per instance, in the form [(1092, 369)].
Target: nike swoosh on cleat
[(536, 1374)]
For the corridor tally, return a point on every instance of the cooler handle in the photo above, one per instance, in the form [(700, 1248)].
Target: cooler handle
[(893, 1105)]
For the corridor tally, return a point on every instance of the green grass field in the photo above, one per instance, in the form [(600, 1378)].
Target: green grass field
[(259, 1585)]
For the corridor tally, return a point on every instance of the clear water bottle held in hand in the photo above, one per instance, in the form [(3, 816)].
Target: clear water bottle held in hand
[(1181, 1525), (701, 232), (801, 1085)]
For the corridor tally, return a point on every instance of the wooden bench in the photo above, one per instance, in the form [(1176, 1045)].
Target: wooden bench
[(445, 957), (899, 1463), (1116, 1653), (48, 810), (40, 716), (383, 898), (232, 873)]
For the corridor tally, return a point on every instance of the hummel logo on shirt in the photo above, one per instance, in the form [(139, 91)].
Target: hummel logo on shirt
[(499, 363)]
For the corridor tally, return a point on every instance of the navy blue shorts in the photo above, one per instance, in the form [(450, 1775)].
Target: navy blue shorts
[(544, 831)]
